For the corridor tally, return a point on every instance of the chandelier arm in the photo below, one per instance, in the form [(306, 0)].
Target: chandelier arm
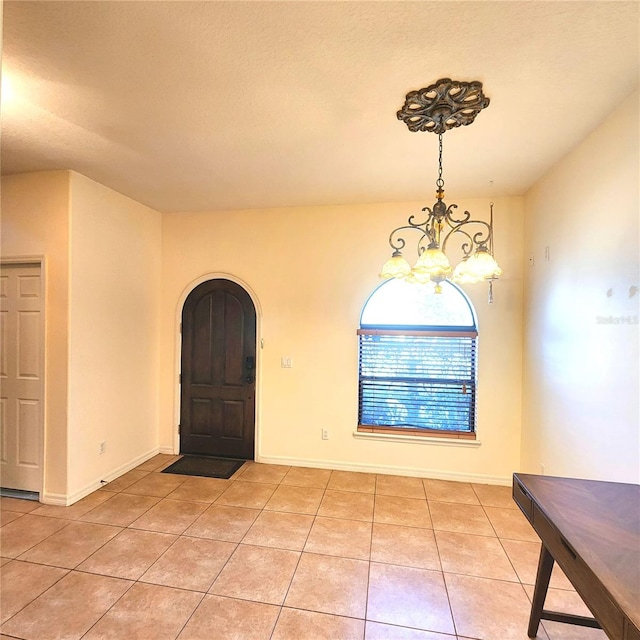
[(467, 247), (421, 225), (397, 242), (452, 221), (481, 237), (429, 227)]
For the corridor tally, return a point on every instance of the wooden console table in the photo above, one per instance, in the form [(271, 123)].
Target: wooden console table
[(592, 530)]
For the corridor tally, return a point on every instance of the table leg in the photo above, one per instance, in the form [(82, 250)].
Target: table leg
[(545, 566)]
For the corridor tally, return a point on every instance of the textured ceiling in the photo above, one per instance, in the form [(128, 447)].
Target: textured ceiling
[(189, 106)]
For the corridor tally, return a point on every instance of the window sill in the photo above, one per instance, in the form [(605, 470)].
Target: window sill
[(442, 441)]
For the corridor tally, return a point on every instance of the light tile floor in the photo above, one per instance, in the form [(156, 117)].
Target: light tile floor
[(275, 553)]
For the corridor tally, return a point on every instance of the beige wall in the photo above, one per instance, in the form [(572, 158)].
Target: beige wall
[(117, 274), (35, 223), (310, 271), (114, 296), (102, 278), (580, 411)]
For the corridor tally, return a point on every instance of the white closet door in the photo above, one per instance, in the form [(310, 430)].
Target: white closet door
[(21, 376)]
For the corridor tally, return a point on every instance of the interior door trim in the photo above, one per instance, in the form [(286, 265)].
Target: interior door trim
[(39, 260), (216, 275)]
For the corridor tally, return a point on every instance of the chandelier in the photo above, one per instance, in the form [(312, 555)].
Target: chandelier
[(437, 108)]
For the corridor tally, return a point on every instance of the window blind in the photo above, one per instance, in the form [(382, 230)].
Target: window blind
[(421, 379)]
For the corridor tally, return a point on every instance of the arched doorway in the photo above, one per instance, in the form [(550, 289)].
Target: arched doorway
[(218, 370)]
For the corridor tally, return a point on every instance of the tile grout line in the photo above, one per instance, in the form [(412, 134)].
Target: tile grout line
[(186, 622), (261, 511), (501, 545), (34, 599), (137, 580), (284, 599), (373, 520), (132, 582), (444, 580)]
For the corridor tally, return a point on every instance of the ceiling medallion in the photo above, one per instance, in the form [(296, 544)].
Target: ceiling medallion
[(443, 105)]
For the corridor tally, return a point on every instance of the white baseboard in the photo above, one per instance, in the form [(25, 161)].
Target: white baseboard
[(168, 450), (60, 499), (56, 499), (388, 470)]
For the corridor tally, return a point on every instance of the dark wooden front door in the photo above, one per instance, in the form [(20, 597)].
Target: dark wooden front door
[(217, 406)]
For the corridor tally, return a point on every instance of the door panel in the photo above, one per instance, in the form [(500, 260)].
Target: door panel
[(217, 410), (21, 376), (232, 418)]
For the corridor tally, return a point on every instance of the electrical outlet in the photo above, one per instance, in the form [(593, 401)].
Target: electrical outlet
[(102, 447), (325, 434)]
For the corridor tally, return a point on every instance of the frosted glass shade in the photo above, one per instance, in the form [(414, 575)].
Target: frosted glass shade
[(395, 267), (484, 264), (462, 274), (478, 267), (432, 261)]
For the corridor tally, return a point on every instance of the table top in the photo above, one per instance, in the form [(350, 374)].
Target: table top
[(601, 521)]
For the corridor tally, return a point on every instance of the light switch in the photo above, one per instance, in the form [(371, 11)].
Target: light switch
[(285, 362)]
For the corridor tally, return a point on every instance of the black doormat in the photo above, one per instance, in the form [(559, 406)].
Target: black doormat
[(207, 467)]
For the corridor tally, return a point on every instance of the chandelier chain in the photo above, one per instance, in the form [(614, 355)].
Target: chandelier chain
[(440, 180)]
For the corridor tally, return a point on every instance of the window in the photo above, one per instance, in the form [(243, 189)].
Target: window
[(417, 371)]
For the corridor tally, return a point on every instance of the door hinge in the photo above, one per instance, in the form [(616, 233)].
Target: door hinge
[(180, 378), (179, 428)]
